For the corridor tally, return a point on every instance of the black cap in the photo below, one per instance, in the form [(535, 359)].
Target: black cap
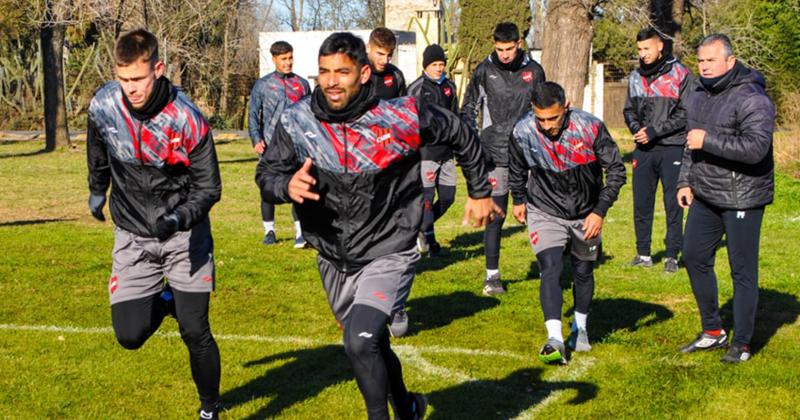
[(432, 54)]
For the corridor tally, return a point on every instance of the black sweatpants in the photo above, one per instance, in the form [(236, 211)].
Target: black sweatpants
[(377, 369), (432, 211), (492, 234), (136, 320), (268, 212), (648, 168), (705, 226), (551, 264)]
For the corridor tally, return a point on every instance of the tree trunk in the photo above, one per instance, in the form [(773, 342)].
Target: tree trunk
[(567, 43), (55, 111), (223, 97), (667, 17)]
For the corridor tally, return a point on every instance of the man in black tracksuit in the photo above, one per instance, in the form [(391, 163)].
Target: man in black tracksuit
[(387, 80), (152, 145), (655, 114), (557, 159), (500, 89), (726, 180), (351, 163)]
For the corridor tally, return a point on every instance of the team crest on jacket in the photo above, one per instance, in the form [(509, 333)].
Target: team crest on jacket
[(388, 81), (297, 88), (382, 134), (447, 91), (527, 76)]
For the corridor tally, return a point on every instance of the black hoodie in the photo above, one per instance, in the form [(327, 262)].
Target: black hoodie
[(735, 168), (366, 162)]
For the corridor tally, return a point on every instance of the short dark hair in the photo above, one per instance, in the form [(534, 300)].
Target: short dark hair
[(548, 94), (280, 48), (138, 44), (383, 38), (721, 38), (648, 33), (506, 32), (345, 43)]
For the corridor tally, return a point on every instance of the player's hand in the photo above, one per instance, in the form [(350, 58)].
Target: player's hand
[(695, 138), (481, 211), (519, 213), (641, 136), (167, 225), (260, 147), (685, 197), (301, 184), (96, 204), (592, 225)]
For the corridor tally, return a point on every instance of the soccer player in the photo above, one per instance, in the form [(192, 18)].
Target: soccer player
[(558, 156), (654, 112), (500, 89), (351, 163), (270, 96), (387, 80), (152, 145)]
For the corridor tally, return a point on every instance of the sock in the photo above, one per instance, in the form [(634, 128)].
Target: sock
[(580, 320), (490, 273), (645, 257), (715, 333), (554, 329), (298, 232), (269, 227)]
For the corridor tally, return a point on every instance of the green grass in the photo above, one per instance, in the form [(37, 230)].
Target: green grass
[(280, 348)]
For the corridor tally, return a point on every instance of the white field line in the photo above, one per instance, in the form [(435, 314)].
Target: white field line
[(301, 341), (576, 369)]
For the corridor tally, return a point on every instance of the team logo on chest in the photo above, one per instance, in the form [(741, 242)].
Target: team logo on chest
[(447, 91), (296, 88), (527, 76), (382, 135), (388, 81)]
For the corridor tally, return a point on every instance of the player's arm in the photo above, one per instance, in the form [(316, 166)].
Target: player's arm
[(99, 170), (473, 99), (276, 168), (610, 160), (518, 170), (205, 187), (254, 117)]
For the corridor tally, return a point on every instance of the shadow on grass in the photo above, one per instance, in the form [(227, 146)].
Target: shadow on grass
[(504, 398), (35, 222), (610, 315), (240, 160), (433, 312), (459, 249), (303, 375), (775, 309), (23, 154)]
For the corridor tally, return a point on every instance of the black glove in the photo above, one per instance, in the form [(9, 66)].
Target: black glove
[(167, 225), (96, 203)]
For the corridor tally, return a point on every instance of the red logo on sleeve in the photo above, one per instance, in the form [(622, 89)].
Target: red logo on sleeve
[(493, 181), (431, 175), (534, 238), (112, 284), (447, 91), (388, 81), (634, 163), (527, 76)]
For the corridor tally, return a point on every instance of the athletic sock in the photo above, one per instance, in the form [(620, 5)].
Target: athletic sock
[(490, 273), (298, 231), (645, 257), (554, 329), (715, 333), (580, 320), (269, 227)]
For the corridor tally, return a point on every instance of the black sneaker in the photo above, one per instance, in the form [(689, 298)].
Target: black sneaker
[(422, 244), (210, 413), (398, 326), (706, 342), (738, 353), (553, 352), (670, 265), (269, 238), (419, 404), (640, 261)]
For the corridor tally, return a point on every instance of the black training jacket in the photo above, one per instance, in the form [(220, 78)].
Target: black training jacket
[(501, 96), (735, 168), (656, 102), (164, 164), (367, 171), (443, 94), (564, 177), (390, 84)]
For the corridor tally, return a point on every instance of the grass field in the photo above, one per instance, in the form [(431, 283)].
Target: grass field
[(281, 355)]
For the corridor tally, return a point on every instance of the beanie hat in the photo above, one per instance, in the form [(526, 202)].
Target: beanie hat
[(432, 54)]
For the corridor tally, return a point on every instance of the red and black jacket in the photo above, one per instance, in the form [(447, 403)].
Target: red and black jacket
[(367, 170), (389, 84), (165, 163), (564, 177), (442, 93)]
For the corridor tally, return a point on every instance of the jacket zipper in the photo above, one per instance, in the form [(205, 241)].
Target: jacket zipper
[(147, 206), (346, 202)]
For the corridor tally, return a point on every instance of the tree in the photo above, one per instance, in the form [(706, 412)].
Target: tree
[(55, 110), (667, 17), (476, 24), (568, 36)]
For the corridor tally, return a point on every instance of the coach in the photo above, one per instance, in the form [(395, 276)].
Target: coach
[(726, 179)]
